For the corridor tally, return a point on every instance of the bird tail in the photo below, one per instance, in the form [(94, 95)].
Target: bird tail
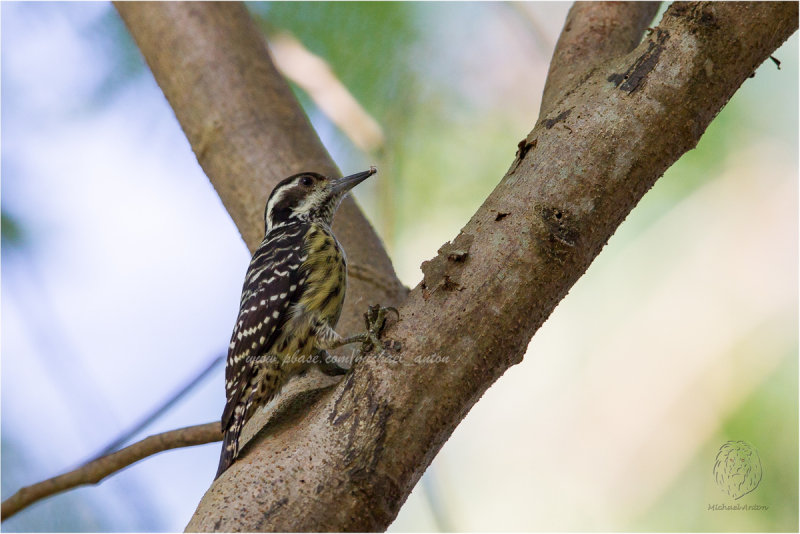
[(230, 443), (227, 455)]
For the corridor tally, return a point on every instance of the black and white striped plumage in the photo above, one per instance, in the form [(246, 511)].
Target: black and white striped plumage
[(291, 300)]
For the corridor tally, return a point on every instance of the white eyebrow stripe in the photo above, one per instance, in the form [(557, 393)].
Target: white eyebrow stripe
[(271, 205)]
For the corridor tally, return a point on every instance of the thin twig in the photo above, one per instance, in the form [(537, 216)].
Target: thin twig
[(96, 470), (147, 420)]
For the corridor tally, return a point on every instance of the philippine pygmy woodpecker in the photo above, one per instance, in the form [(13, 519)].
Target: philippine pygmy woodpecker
[(291, 300)]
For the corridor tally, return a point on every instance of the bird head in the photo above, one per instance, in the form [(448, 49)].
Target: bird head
[(309, 197)]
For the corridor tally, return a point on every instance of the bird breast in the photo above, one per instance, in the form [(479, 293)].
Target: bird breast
[(326, 279)]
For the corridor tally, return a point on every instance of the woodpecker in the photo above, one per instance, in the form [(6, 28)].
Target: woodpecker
[(291, 300)]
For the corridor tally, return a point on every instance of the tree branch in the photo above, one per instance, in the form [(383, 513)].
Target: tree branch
[(350, 462), (593, 33), (96, 470), (148, 419)]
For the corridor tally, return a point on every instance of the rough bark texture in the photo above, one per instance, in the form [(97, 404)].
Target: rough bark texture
[(593, 33), (350, 461)]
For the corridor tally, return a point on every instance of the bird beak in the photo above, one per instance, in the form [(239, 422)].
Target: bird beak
[(343, 185)]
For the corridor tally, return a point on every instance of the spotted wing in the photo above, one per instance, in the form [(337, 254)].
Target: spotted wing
[(271, 285)]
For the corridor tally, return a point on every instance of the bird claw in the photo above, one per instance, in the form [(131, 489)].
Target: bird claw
[(375, 321)]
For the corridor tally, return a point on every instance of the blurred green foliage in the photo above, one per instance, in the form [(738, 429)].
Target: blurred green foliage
[(768, 419), (366, 43), (12, 232)]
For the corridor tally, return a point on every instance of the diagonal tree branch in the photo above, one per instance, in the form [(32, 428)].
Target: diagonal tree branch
[(350, 462), (96, 470), (148, 419), (294, 397)]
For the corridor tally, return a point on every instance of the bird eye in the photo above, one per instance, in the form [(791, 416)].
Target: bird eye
[(306, 181)]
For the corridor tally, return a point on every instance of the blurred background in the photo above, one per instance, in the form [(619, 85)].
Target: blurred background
[(121, 274)]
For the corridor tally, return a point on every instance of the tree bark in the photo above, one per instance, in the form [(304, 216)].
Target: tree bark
[(350, 461), (593, 33)]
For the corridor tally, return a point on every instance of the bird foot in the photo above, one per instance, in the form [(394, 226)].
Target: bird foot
[(375, 321)]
